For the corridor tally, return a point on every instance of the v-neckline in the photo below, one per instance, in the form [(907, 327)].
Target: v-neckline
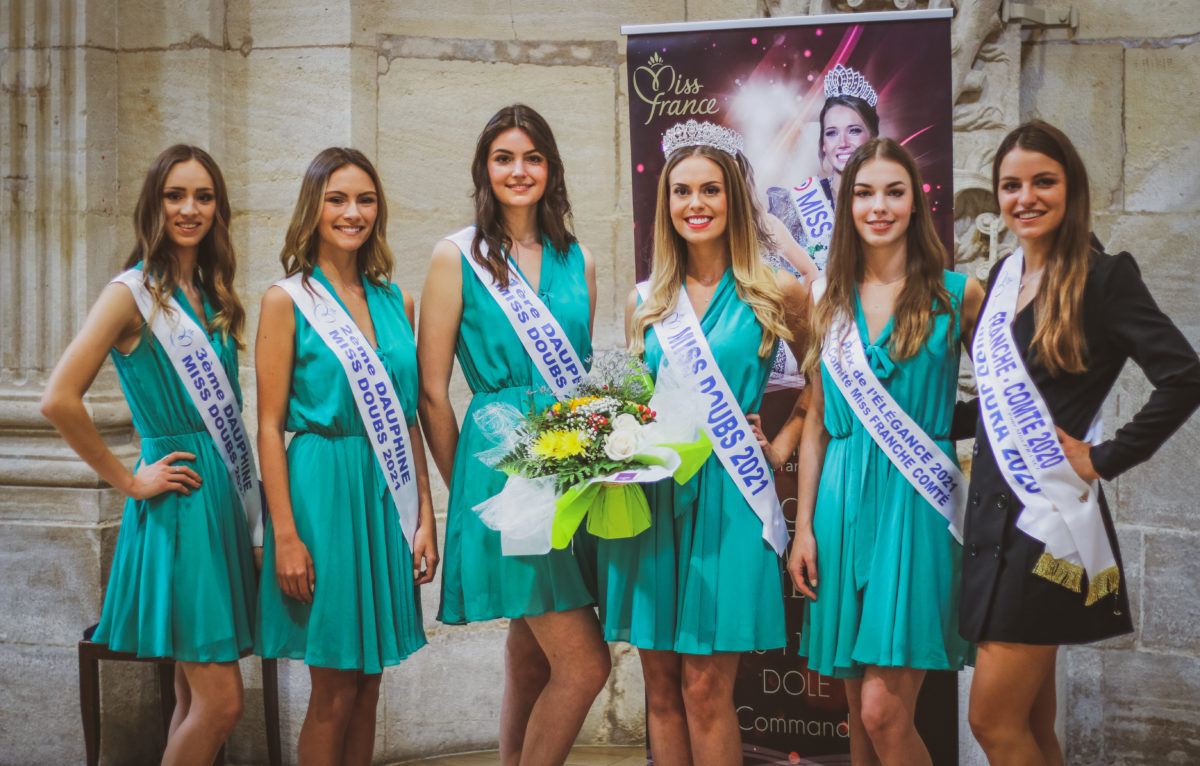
[(182, 299), (864, 331), (716, 291), (537, 289), (375, 345)]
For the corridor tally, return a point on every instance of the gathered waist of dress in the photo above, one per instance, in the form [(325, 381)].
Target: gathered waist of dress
[(329, 433)]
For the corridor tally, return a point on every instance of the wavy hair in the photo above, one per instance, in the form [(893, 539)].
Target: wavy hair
[(553, 209), (374, 259), (1058, 340), (924, 280), (216, 262), (745, 234)]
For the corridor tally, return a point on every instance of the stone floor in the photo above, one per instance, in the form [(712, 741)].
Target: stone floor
[(580, 756)]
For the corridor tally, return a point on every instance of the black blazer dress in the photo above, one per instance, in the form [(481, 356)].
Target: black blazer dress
[(1002, 600)]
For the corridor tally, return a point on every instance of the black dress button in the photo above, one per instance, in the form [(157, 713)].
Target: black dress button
[(975, 449), (995, 551), (974, 551), (974, 498), (1002, 502)]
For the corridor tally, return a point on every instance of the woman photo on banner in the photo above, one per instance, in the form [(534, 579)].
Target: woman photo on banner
[(351, 532), (182, 579), (704, 583), (801, 218), (519, 260), (1041, 565), (878, 526)]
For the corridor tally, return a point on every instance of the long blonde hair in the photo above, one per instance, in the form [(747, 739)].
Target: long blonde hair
[(1058, 340), (754, 279), (216, 263), (924, 278), (300, 246)]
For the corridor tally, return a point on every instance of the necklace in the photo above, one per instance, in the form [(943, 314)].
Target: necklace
[(884, 283), (1031, 278)]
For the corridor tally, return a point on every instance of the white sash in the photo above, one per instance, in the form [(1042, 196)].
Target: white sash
[(1061, 510), (378, 405), (914, 454), (200, 370), (540, 333), (815, 211), (687, 350)]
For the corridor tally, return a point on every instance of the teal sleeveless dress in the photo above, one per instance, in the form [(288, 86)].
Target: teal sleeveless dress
[(478, 583), (887, 566), (701, 579), (366, 612), (182, 580)]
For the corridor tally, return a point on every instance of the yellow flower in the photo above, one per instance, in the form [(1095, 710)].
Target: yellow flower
[(582, 400), (559, 444)]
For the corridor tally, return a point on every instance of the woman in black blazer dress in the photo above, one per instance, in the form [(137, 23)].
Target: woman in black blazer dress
[(1018, 617)]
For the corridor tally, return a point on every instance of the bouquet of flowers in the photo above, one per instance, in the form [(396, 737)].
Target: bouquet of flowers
[(584, 457)]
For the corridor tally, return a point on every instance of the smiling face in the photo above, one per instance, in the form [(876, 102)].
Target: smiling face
[(883, 203), (696, 187), (1032, 194), (516, 169), (189, 204), (843, 131), (349, 209)]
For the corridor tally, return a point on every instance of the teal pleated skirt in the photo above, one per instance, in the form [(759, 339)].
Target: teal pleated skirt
[(366, 610), (182, 579)]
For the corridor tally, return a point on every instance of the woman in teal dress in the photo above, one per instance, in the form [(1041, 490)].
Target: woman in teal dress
[(555, 660), (182, 579), (339, 579), (885, 610), (701, 586)]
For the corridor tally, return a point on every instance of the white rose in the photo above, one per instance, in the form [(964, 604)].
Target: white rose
[(625, 422), (621, 445)]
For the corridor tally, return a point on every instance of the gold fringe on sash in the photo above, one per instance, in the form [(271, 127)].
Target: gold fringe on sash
[(1060, 572), (1103, 584), (1070, 576)]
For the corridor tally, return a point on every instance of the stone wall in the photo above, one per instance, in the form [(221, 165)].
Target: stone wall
[(1124, 87), (93, 89)]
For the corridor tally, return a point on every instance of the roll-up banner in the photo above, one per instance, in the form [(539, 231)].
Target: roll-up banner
[(771, 79)]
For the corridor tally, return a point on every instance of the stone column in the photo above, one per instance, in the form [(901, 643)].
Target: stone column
[(58, 140)]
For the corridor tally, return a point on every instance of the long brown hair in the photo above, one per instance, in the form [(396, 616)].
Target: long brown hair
[(924, 279), (754, 279), (553, 209), (216, 263), (374, 259), (1058, 340)]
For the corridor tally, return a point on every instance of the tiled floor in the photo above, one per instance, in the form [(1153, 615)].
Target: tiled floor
[(580, 756)]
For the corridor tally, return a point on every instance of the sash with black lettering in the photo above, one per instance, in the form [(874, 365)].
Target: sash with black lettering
[(200, 370), (375, 396), (1061, 509), (540, 333), (687, 350), (917, 457)]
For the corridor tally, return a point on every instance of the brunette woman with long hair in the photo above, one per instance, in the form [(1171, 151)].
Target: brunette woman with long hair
[(555, 660), (1061, 318), (182, 580), (872, 552), (340, 566), (703, 584)]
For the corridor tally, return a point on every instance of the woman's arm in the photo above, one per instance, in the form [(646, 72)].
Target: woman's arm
[(589, 274), (1136, 326), (971, 305), (796, 312), (113, 321), (274, 351), (424, 547), (802, 562), (441, 314), (790, 249)]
